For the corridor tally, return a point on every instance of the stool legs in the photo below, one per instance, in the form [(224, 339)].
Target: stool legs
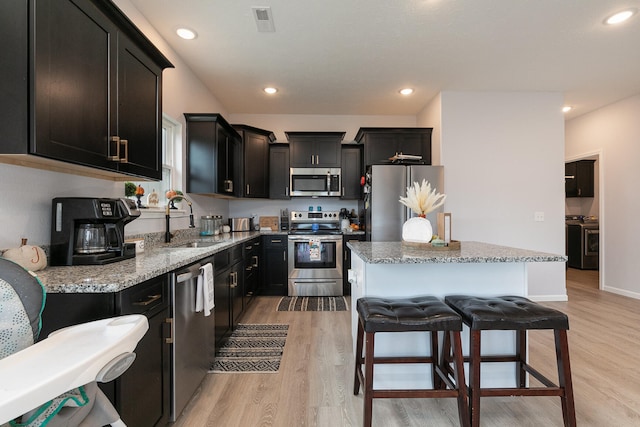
[(458, 375), (442, 385), (564, 378), (564, 389)]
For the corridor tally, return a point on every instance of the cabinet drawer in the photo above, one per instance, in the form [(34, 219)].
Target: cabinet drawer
[(275, 241), (145, 298)]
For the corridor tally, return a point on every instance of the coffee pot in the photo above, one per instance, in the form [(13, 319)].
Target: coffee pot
[(90, 239), (87, 230)]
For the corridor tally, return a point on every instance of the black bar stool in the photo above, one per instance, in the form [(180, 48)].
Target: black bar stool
[(518, 314), (425, 313)]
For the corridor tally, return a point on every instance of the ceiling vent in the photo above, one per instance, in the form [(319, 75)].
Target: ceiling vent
[(264, 19)]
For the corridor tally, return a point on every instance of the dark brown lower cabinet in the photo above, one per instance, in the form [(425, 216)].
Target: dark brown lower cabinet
[(141, 394)]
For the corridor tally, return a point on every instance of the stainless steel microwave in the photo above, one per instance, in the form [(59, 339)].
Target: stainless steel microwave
[(315, 182)]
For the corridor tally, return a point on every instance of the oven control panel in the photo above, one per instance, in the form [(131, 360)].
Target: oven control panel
[(308, 216)]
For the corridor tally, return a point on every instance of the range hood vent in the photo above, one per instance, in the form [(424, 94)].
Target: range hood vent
[(264, 19)]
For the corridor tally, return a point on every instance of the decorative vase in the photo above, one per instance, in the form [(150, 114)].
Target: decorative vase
[(417, 229)]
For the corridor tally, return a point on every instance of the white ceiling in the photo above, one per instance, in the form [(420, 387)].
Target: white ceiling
[(352, 56)]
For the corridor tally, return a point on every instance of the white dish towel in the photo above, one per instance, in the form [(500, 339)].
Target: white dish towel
[(204, 290)]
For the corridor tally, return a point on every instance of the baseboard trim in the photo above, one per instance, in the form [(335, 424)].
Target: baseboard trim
[(541, 298)]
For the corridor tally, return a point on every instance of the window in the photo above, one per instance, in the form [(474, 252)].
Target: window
[(171, 141)]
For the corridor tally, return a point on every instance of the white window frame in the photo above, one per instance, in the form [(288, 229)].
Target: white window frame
[(171, 162)]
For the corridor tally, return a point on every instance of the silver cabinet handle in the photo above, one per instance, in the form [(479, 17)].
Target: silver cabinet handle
[(284, 255), (317, 159), (113, 145), (276, 241), (125, 157), (248, 192), (255, 261), (286, 191)]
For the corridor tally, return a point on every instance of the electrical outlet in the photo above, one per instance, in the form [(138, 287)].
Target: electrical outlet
[(538, 216)]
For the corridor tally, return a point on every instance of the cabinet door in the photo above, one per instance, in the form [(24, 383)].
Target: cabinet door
[(382, 143), (201, 157), (570, 179), (256, 165), (237, 292), (225, 161), (74, 83), (351, 172), (279, 171), (275, 273), (142, 396), (303, 153), (139, 111), (327, 153), (585, 177), (222, 302)]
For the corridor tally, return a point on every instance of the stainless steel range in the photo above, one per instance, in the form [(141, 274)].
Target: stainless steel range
[(315, 254)]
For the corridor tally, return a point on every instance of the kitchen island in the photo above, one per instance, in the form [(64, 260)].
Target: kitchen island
[(396, 270)]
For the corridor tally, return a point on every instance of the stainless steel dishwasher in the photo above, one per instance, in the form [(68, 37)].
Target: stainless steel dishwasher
[(192, 334)]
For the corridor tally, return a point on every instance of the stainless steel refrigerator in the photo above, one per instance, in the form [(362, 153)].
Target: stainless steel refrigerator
[(384, 214)]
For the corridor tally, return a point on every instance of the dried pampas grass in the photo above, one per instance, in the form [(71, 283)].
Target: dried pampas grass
[(421, 199)]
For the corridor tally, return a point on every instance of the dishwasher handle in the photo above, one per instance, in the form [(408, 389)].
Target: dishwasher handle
[(188, 273)]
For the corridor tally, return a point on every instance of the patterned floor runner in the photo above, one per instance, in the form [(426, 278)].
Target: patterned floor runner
[(252, 348), (313, 304)]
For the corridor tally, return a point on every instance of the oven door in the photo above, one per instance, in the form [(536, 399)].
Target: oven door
[(315, 265)]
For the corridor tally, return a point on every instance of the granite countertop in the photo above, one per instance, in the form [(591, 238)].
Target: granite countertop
[(469, 252), (153, 262)]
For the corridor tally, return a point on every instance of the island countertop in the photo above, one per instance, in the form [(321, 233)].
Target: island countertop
[(469, 252)]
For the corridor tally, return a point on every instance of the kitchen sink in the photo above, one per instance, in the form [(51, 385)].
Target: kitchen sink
[(197, 245), (190, 245)]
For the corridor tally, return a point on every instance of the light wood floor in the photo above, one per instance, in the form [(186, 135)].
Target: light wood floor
[(314, 384)]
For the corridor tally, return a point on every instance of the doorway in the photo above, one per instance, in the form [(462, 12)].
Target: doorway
[(592, 207)]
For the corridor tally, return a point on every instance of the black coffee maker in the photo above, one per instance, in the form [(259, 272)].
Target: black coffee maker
[(87, 230)]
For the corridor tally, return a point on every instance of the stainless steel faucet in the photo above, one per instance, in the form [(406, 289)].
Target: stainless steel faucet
[(167, 234)]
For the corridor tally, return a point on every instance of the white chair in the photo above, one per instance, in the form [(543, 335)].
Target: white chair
[(53, 382)]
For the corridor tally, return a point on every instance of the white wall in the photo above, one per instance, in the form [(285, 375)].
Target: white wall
[(432, 115), (27, 193), (503, 156), (614, 131)]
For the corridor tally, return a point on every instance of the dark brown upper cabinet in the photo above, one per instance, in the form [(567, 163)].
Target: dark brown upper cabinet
[(255, 161), (380, 144), (351, 171), (279, 171), (214, 153), (315, 149), (579, 178), (84, 86)]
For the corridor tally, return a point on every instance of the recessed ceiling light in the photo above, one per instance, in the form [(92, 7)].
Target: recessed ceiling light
[(406, 91), (270, 90), (567, 108), (186, 33), (620, 17)]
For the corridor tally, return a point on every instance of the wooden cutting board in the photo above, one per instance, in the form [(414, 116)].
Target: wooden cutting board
[(269, 222)]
